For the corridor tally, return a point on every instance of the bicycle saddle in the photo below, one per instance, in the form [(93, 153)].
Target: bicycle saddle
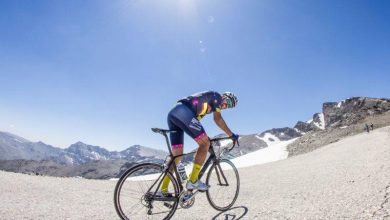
[(161, 131)]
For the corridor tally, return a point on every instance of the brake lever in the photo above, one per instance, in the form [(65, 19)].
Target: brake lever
[(234, 144)]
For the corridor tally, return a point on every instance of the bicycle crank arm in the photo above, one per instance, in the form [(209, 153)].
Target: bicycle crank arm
[(187, 199)]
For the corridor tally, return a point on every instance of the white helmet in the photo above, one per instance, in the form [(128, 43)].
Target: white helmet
[(231, 99)]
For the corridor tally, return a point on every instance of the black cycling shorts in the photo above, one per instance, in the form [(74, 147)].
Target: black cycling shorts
[(182, 119)]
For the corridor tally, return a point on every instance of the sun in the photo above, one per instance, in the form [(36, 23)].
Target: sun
[(187, 9)]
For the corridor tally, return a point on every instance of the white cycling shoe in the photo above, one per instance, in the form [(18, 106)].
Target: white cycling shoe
[(198, 185)]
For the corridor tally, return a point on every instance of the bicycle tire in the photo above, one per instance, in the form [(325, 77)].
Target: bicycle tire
[(133, 170), (213, 192)]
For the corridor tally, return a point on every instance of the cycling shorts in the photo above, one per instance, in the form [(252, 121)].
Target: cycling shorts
[(182, 119)]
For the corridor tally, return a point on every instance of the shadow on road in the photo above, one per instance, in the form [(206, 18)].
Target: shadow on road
[(234, 213)]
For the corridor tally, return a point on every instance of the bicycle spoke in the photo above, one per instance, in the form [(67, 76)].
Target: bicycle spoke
[(224, 185), (134, 194)]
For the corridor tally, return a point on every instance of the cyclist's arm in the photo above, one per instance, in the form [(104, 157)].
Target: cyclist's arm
[(221, 123)]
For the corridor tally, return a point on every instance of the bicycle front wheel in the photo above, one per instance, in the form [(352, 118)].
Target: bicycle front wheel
[(224, 183), (135, 198)]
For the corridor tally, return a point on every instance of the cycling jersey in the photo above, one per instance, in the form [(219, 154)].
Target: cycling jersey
[(185, 116), (203, 103)]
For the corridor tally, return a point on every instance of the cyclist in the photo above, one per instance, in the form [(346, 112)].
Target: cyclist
[(185, 117)]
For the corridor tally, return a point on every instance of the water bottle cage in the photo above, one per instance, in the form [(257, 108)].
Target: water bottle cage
[(164, 166), (182, 172)]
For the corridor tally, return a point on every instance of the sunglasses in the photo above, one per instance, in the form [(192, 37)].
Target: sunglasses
[(229, 103)]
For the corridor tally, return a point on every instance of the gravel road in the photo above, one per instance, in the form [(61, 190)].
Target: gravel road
[(349, 179)]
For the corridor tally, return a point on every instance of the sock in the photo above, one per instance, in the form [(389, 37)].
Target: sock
[(195, 172), (165, 184)]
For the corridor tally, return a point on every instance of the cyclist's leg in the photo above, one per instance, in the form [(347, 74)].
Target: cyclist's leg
[(184, 118), (201, 153), (177, 140)]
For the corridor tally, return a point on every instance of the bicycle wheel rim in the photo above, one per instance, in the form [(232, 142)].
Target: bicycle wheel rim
[(222, 196), (130, 191)]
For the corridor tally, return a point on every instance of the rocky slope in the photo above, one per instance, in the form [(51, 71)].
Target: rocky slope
[(96, 169), (353, 110), (341, 119)]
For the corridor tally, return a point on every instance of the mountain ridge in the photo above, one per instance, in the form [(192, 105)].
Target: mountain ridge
[(334, 115)]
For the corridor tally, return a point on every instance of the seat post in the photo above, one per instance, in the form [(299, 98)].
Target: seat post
[(168, 145)]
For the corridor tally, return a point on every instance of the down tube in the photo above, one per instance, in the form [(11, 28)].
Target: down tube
[(206, 165)]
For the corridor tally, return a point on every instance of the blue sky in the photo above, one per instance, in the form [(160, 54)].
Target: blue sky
[(105, 72)]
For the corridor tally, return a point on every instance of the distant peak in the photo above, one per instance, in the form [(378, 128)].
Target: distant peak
[(136, 146), (78, 144)]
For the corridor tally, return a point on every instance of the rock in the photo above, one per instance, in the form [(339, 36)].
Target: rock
[(353, 110)]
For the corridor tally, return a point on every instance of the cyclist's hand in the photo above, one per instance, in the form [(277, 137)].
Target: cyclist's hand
[(235, 137)]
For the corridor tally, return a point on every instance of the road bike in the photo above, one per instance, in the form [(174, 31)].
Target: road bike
[(136, 193)]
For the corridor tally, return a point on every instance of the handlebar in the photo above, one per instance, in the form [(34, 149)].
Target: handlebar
[(226, 138)]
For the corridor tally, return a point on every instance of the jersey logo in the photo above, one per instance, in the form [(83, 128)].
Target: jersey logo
[(204, 109), (195, 124)]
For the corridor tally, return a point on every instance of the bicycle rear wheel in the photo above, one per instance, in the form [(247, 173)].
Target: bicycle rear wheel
[(224, 183), (134, 200)]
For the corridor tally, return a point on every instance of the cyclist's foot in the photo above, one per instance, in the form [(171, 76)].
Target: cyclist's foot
[(197, 185)]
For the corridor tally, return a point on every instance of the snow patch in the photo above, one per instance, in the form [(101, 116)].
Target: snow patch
[(69, 159), (340, 104), (268, 137), (274, 152), (320, 124), (97, 156)]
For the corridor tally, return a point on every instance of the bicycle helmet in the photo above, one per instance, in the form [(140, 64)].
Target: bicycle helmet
[(231, 99)]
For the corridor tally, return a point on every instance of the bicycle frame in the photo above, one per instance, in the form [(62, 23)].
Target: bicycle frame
[(172, 166), (178, 194)]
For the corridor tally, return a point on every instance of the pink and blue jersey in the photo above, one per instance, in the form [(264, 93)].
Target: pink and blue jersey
[(203, 103), (185, 116)]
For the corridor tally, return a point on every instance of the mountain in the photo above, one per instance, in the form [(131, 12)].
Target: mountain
[(79, 159), (82, 153), (337, 120), (316, 123), (353, 110), (13, 147), (94, 169), (341, 119), (139, 153), (254, 142)]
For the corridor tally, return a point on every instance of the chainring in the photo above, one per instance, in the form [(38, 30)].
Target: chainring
[(186, 199)]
